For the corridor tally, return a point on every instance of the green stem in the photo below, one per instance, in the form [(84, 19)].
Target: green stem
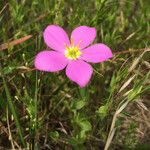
[(36, 109), (83, 93)]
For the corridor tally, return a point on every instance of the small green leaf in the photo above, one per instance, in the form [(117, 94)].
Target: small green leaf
[(8, 70), (78, 104), (85, 125), (102, 111), (75, 141), (54, 135)]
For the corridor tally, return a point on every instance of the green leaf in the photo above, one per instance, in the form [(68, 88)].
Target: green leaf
[(75, 141), (54, 135), (102, 111), (85, 125), (78, 104), (7, 70)]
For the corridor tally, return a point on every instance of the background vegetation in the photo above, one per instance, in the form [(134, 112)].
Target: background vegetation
[(47, 111)]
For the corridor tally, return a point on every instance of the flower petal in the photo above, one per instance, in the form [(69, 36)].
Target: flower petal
[(83, 35), (79, 72), (50, 61), (96, 53), (55, 37)]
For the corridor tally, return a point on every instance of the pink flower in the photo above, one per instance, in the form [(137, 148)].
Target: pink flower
[(73, 55)]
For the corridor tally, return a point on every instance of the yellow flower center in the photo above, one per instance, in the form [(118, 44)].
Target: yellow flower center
[(72, 52)]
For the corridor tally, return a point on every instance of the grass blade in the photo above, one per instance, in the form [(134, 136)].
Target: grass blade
[(12, 108)]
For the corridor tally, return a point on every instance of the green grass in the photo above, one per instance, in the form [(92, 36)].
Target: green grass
[(46, 110)]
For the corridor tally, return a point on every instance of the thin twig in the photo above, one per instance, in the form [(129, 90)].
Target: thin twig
[(112, 128), (3, 8), (9, 131), (14, 42)]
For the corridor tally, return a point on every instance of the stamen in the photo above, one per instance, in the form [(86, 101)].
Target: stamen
[(79, 43), (72, 52), (66, 46), (71, 42)]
